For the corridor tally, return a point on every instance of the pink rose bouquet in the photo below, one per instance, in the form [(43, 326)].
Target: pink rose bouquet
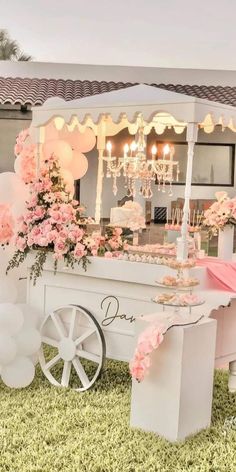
[(220, 213), (53, 222)]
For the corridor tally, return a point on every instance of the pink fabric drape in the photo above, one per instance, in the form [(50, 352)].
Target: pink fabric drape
[(222, 273)]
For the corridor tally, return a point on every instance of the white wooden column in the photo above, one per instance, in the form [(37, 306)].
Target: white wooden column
[(101, 144), (40, 137), (182, 242)]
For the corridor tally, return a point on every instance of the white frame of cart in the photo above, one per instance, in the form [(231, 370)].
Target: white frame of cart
[(110, 112)]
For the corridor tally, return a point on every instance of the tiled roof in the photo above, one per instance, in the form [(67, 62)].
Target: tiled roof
[(26, 91)]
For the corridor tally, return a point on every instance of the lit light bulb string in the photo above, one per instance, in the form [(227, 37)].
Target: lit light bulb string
[(135, 166)]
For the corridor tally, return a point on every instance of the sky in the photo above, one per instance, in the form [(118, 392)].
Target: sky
[(158, 33)]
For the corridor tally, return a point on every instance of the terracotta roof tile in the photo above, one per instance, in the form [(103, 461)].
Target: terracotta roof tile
[(25, 91)]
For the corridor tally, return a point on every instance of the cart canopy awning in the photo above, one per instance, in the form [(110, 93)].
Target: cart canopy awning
[(163, 107)]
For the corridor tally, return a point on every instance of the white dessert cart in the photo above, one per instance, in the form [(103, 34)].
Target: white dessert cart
[(86, 310), (88, 316)]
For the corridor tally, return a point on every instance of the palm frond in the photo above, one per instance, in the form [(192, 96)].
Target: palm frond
[(24, 57), (10, 49)]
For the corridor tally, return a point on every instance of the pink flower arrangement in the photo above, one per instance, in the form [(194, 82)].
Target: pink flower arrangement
[(26, 154), (6, 224), (53, 222), (220, 213), (150, 339)]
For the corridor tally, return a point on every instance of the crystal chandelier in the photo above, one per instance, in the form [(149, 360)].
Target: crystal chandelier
[(136, 166)]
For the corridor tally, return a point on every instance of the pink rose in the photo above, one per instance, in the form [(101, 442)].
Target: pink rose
[(20, 243), (79, 250), (108, 255)]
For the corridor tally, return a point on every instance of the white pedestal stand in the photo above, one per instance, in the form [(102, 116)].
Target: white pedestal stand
[(175, 398), (226, 243), (232, 377)]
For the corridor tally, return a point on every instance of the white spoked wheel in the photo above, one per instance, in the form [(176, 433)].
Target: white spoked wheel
[(73, 348)]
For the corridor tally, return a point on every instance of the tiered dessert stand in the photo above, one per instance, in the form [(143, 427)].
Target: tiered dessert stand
[(182, 286)]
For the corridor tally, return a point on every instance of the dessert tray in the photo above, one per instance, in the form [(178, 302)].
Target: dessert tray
[(177, 283), (178, 301), (154, 250), (179, 288)]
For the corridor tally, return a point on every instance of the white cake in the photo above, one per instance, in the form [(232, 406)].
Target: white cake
[(121, 216)]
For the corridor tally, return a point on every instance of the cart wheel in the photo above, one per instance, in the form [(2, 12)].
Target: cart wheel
[(73, 348)]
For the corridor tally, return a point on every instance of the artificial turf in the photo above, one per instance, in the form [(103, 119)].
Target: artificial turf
[(49, 429)]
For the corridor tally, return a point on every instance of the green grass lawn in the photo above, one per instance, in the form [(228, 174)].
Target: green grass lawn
[(48, 429)]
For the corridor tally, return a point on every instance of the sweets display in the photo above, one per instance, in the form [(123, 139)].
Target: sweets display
[(177, 227), (154, 249), (179, 265), (147, 258), (179, 282), (121, 216), (130, 215), (195, 219), (182, 300)]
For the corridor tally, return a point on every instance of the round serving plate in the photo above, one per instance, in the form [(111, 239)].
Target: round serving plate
[(176, 288), (201, 302)]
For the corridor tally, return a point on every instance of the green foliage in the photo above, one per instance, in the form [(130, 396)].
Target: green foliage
[(17, 259), (37, 267), (10, 49)]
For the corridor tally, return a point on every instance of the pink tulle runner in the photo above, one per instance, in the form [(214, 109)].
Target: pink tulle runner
[(222, 273)]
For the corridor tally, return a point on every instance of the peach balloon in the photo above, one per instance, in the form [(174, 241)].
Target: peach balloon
[(82, 142), (51, 132), (64, 134), (67, 178), (79, 165), (61, 149)]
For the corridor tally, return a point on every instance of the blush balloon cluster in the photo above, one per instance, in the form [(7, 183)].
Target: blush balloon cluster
[(20, 339), (68, 146)]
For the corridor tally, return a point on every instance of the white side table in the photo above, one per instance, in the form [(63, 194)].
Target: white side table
[(175, 398)]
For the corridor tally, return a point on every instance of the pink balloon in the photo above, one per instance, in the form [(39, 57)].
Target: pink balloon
[(82, 142), (51, 132), (67, 176), (61, 149), (79, 165), (64, 134)]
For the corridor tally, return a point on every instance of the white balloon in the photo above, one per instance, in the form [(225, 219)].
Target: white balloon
[(8, 290), (32, 318), (35, 358), (11, 318), (19, 374), (12, 188), (8, 349), (28, 341), (17, 165)]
